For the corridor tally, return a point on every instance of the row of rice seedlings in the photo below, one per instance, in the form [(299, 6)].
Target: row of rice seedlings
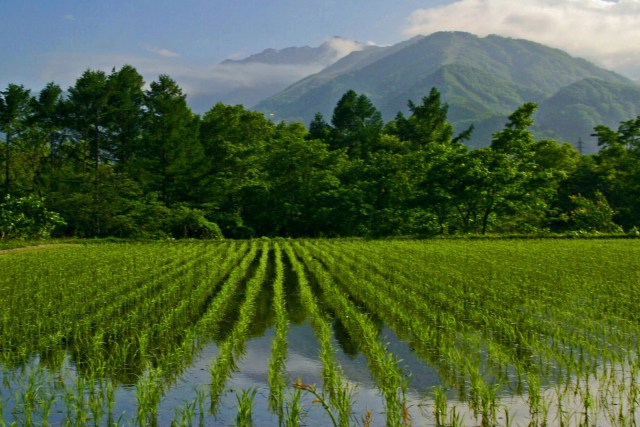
[(145, 388), (143, 295), (25, 302), (120, 343), (98, 367), (172, 361), (484, 313), (440, 336), (138, 270), (174, 289), (178, 325), (244, 416), (414, 319), (406, 314), (538, 342), (209, 324), (168, 362), (400, 299), (160, 334), (334, 384), (51, 323), (108, 268), (277, 383), (173, 336), (41, 398), (573, 328), (233, 347), (383, 366), (431, 302)]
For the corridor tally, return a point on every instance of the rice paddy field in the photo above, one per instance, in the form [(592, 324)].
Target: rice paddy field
[(322, 332)]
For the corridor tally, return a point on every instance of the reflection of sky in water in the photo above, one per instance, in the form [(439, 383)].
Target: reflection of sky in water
[(302, 362)]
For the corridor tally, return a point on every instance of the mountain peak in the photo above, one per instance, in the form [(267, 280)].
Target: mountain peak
[(327, 53), (483, 79)]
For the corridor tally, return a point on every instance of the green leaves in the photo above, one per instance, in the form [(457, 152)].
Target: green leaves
[(15, 110), (27, 217)]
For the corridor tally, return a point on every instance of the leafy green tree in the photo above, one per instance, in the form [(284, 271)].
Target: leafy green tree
[(185, 222), (301, 181), (15, 111), (617, 168), (387, 184), (87, 112), (502, 181), (435, 161), (427, 123), (171, 155), (48, 118), (357, 125), (235, 145), (124, 209), (126, 115), (552, 166), (515, 139), (443, 173), (319, 129)]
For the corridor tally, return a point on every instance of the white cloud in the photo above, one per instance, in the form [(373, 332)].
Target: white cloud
[(69, 17), (166, 53), (231, 82), (208, 83), (342, 47), (605, 31)]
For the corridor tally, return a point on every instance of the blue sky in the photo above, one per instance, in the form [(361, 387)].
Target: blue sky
[(56, 40), (42, 40)]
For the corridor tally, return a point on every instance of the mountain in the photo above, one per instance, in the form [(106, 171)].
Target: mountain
[(249, 80), (576, 109), (482, 79)]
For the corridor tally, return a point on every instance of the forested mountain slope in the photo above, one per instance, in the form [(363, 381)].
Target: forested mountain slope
[(482, 80)]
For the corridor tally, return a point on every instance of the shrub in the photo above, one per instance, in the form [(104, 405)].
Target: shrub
[(27, 217), (593, 215), (185, 222)]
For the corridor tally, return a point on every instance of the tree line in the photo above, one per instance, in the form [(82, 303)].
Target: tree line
[(111, 157)]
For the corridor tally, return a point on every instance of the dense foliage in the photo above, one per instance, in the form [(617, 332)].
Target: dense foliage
[(114, 159)]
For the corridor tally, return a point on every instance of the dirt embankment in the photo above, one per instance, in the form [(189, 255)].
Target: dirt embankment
[(32, 248)]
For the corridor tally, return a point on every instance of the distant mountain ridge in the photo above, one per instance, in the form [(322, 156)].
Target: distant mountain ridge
[(327, 53), (249, 80), (482, 79)]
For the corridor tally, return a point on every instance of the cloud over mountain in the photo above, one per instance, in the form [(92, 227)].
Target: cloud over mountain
[(606, 32), (258, 76), (244, 81)]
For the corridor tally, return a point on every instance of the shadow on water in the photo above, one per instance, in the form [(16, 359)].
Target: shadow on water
[(233, 309), (264, 316), (349, 344), (295, 313)]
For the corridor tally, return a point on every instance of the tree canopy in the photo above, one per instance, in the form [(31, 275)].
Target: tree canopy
[(113, 157)]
